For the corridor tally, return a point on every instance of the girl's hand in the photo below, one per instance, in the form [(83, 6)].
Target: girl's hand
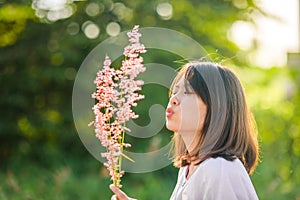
[(118, 194)]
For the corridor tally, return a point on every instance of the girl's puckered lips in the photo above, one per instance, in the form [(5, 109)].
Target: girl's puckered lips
[(169, 112)]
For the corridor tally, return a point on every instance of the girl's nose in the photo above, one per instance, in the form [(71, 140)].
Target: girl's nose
[(174, 101)]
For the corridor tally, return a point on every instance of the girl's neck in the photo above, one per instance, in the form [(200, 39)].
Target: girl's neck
[(188, 138)]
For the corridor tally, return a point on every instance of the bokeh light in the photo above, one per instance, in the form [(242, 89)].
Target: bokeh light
[(90, 29), (93, 9), (113, 29), (73, 28), (70, 73), (53, 10), (164, 10)]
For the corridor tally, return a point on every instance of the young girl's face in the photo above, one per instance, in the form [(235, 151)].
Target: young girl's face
[(186, 111)]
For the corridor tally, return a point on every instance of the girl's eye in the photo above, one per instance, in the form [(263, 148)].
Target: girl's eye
[(187, 92)]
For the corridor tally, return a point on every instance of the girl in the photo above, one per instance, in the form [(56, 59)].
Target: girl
[(215, 141)]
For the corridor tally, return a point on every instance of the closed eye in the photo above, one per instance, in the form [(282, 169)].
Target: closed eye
[(175, 90), (172, 94)]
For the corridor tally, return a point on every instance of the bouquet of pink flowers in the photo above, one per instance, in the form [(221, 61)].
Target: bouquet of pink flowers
[(115, 95)]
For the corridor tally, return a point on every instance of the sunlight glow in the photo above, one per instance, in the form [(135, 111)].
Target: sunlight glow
[(278, 38), (241, 30), (274, 38)]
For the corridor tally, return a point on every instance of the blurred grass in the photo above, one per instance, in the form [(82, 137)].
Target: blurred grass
[(77, 178), (28, 180)]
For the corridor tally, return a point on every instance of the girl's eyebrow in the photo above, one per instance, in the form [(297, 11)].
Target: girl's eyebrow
[(176, 87)]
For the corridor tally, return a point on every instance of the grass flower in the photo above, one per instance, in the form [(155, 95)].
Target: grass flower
[(116, 94)]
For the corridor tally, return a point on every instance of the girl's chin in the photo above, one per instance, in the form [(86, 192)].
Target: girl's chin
[(171, 128)]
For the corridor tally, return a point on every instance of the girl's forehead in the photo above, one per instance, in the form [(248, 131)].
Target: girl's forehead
[(182, 83)]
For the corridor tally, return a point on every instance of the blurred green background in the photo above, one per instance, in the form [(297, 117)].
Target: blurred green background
[(42, 45)]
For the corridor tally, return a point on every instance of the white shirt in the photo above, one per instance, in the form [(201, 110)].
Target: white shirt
[(215, 179)]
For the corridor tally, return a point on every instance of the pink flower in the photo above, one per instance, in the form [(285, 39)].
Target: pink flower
[(116, 93)]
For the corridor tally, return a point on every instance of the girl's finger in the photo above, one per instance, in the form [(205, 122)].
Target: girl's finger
[(120, 194)]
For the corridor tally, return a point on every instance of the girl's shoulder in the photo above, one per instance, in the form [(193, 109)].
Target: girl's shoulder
[(217, 166), (218, 178)]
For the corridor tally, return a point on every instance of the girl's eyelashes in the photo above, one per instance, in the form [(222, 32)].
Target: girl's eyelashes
[(188, 92), (184, 92)]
